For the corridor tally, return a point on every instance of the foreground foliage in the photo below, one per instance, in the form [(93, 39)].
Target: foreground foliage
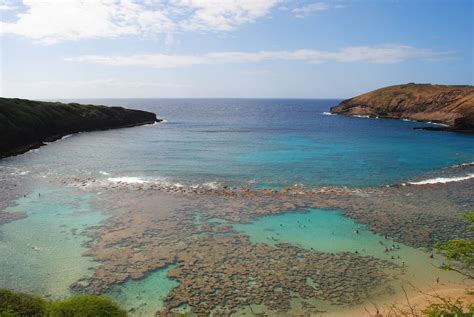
[(448, 307), (461, 251), (14, 304)]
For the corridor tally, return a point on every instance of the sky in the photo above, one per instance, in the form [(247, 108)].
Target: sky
[(53, 49)]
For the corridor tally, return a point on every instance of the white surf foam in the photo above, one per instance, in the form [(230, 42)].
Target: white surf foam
[(128, 180), (211, 185), (361, 116), (328, 113), (63, 138), (104, 173), (443, 180), (437, 123)]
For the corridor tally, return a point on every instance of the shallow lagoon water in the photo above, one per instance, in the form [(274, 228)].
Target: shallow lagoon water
[(42, 253), (145, 297), (330, 231)]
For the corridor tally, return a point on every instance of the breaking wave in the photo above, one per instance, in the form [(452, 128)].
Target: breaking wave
[(443, 180), (127, 180)]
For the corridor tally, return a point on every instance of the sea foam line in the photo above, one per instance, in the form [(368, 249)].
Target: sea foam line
[(443, 180), (127, 179)]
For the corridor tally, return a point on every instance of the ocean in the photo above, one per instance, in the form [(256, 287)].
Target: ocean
[(216, 144)]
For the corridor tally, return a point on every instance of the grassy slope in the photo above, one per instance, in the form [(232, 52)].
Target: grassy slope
[(25, 124), (452, 105), (13, 304)]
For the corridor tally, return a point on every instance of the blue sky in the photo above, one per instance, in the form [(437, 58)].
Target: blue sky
[(225, 48)]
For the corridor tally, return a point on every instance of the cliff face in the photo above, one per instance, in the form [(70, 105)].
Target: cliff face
[(26, 124), (451, 105)]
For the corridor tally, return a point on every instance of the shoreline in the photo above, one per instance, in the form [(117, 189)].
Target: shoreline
[(444, 126), (418, 299), (443, 104), (32, 146)]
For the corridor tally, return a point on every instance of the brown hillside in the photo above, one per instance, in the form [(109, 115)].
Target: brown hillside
[(451, 105)]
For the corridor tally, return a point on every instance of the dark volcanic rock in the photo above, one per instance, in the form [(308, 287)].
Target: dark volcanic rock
[(26, 124), (451, 105)]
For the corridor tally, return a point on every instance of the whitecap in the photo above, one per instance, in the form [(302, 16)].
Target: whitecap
[(211, 185), (104, 173), (125, 179), (328, 113), (443, 180)]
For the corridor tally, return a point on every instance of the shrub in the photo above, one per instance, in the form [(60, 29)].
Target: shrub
[(24, 305), (85, 306), (20, 304)]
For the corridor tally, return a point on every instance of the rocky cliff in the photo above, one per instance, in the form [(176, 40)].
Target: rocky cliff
[(27, 124), (451, 105)]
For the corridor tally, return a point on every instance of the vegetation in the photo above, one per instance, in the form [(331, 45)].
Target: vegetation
[(14, 304), (439, 307), (26, 123), (84, 306), (461, 251), (19, 304), (448, 307)]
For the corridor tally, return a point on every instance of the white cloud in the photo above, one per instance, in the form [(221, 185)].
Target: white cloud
[(301, 12), (386, 54), (222, 15), (51, 21), (312, 7), (6, 5)]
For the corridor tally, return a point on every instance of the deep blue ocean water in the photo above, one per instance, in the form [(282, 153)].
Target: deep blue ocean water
[(275, 142)]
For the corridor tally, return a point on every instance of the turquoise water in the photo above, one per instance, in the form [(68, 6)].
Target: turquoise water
[(323, 230), (274, 142), (145, 297), (330, 231), (43, 252)]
